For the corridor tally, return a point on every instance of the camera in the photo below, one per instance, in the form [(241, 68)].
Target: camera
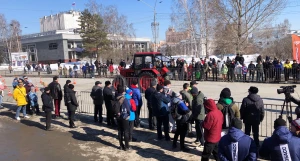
[(286, 89)]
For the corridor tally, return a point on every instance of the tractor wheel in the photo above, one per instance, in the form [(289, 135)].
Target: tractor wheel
[(145, 80), (119, 80)]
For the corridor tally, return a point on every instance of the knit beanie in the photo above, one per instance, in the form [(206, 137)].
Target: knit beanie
[(225, 93), (128, 91), (296, 124), (236, 123), (279, 122)]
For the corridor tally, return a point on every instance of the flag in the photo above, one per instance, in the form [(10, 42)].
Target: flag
[(73, 4)]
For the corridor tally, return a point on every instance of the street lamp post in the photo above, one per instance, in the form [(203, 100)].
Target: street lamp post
[(154, 24)]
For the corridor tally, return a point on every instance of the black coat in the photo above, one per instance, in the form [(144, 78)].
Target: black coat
[(55, 90), (97, 95), (148, 93), (157, 101), (107, 95), (67, 99), (47, 102), (73, 104), (252, 109)]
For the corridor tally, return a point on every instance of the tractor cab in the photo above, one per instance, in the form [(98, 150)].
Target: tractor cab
[(147, 66)]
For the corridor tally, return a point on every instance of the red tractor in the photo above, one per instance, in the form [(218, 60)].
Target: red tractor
[(146, 66)]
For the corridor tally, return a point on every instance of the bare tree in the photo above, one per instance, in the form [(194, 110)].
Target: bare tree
[(9, 36), (246, 16), (119, 30)]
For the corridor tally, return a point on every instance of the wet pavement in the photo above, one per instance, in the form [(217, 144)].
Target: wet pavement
[(29, 143)]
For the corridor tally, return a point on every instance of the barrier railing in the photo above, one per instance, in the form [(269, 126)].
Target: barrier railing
[(86, 106)]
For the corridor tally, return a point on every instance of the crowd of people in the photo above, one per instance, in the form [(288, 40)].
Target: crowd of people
[(218, 125), (261, 70)]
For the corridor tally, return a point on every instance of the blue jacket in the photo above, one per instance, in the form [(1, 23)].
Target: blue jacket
[(33, 98), (246, 146), (136, 96), (272, 146), (84, 68), (132, 113), (160, 104)]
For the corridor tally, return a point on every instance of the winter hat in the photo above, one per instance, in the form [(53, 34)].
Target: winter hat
[(225, 93), (210, 104), (153, 83), (193, 83), (159, 87), (71, 86), (236, 123), (253, 90), (194, 90), (46, 89), (97, 82), (279, 122), (120, 89), (128, 91), (296, 124)]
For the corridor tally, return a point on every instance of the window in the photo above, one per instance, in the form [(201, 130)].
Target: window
[(69, 45), (143, 46), (52, 46), (138, 62)]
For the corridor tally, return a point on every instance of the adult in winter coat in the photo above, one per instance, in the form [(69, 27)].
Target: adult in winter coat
[(56, 94), (259, 71), (160, 110), (188, 98), (252, 113), (251, 68), (282, 145), (229, 109), (287, 70), (236, 146), (47, 106), (224, 71), (128, 97), (72, 107), (169, 92), (198, 114), (108, 97), (181, 116), (97, 97), (148, 94), (19, 95), (212, 125), (137, 97), (66, 92), (122, 119)]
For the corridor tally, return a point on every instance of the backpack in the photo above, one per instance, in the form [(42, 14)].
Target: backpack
[(116, 106), (178, 112), (228, 115), (124, 113)]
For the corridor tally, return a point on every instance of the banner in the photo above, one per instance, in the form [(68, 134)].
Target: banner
[(296, 47), (19, 59)]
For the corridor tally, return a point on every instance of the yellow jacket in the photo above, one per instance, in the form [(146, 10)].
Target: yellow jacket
[(19, 95), (288, 66)]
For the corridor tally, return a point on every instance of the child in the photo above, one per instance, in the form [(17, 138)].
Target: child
[(224, 71), (34, 101), (128, 96), (244, 72), (47, 107), (1, 97)]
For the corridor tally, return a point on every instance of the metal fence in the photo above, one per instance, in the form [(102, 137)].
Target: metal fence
[(272, 112)]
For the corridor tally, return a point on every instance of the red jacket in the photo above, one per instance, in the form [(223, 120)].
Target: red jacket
[(111, 68), (133, 106), (212, 123)]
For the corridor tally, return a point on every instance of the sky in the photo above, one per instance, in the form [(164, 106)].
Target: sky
[(28, 13)]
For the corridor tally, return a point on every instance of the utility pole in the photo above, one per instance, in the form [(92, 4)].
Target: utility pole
[(154, 24)]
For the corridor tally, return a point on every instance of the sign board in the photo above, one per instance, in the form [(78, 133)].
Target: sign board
[(296, 47), (19, 59)]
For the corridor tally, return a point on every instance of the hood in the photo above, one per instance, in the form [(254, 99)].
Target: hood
[(227, 101), (133, 86), (210, 105), (175, 100), (235, 134), (127, 96), (282, 134), (254, 97)]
